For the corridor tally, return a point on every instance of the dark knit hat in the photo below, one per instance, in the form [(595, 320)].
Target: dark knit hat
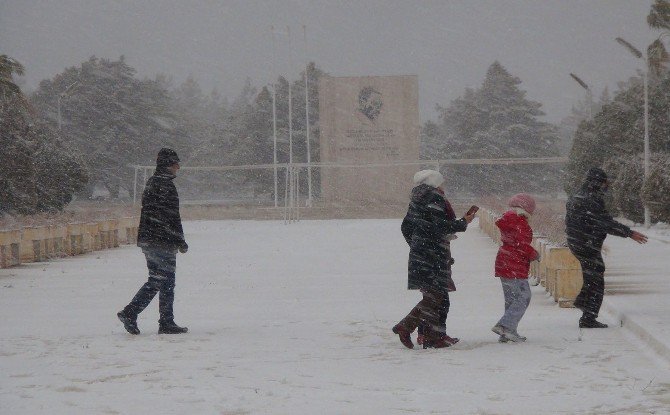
[(167, 157), (596, 175)]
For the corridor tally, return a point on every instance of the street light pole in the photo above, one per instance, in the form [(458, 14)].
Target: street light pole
[(274, 112), (290, 124), (309, 156), (647, 215), (589, 95), (645, 75)]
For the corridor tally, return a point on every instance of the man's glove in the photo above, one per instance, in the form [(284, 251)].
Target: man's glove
[(183, 248)]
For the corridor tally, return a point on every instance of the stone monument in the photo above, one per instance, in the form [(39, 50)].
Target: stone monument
[(367, 124)]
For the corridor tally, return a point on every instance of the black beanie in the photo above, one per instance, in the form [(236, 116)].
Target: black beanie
[(167, 157), (596, 175)]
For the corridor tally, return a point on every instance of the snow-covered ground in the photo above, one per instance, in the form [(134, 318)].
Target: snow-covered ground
[(296, 320)]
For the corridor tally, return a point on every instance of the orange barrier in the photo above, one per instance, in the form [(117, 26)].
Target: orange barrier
[(75, 239), (34, 243), (128, 230), (10, 248), (41, 243)]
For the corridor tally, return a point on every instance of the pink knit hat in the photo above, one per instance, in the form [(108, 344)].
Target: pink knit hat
[(523, 201)]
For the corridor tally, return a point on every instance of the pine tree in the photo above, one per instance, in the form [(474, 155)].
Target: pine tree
[(38, 171), (496, 121), (659, 16), (8, 68), (112, 118)]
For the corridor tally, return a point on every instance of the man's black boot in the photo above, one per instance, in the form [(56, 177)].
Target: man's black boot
[(171, 328), (591, 324), (129, 323)]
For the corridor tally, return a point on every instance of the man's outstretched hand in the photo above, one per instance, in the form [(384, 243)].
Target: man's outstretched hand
[(638, 237), (183, 248)]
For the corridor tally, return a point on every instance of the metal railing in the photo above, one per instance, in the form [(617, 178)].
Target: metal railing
[(292, 174)]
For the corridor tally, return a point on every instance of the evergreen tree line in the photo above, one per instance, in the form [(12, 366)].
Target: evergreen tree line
[(582, 110), (495, 120), (614, 140), (88, 125), (106, 119), (613, 136), (39, 171)]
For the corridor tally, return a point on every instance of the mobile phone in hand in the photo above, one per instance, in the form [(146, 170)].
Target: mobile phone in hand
[(473, 209)]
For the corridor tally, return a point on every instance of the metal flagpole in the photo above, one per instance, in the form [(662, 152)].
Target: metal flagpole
[(135, 187), (297, 195), (290, 119), (307, 129), (274, 110), (286, 203)]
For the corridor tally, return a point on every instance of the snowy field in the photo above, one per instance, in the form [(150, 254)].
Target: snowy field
[(296, 320)]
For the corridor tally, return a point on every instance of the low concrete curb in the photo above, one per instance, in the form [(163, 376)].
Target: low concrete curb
[(661, 349)]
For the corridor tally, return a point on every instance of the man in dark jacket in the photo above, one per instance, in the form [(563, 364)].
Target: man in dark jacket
[(427, 227), (587, 224), (160, 235)]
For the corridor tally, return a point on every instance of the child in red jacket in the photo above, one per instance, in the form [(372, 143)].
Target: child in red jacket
[(513, 264)]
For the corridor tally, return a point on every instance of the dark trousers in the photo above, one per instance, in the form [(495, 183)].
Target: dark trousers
[(442, 310), (590, 298), (162, 265), (430, 313)]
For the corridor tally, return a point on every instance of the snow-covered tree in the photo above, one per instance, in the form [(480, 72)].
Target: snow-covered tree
[(659, 15), (431, 141), (496, 121), (583, 110), (111, 117), (656, 189), (614, 140), (38, 171), (8, 68)]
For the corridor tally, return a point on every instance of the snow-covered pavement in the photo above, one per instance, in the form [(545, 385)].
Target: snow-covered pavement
[(296, 320), (637, 287)]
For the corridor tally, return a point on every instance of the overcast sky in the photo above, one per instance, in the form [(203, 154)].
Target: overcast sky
[(448, 43)]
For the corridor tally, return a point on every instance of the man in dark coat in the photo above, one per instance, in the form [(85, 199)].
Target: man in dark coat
[(427, 228), (587, 224), (160, 235)]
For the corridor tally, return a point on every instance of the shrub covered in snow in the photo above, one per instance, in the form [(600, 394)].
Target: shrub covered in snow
[(656, 189), (626, 176)]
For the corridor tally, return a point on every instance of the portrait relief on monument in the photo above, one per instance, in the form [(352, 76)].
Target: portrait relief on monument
[(370, 102), (372, 124)]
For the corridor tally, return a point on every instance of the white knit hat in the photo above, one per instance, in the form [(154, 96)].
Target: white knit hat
[(430, 177)]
